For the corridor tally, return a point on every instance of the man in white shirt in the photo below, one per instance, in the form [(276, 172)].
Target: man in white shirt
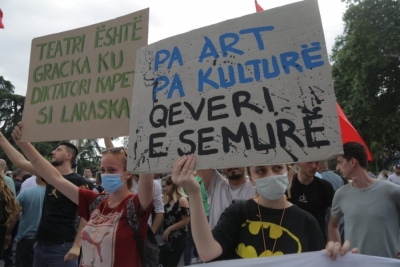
[(395, 177), (30, 182), (222, 191)]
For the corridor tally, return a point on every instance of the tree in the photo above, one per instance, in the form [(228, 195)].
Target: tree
[(11, 108), (366, 69), (89, 154)]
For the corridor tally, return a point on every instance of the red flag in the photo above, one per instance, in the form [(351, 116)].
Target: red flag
[(1, 20), (349, 133), (258, 7)]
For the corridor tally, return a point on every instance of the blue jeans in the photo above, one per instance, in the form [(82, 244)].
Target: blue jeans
[(190, 246), (49, 254), (8, 254)]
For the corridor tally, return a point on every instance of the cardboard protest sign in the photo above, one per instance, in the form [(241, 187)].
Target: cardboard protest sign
[(311, 259), (252, 90), (80, 81)]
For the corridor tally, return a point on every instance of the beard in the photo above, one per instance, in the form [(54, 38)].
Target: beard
[(56, 163), (234, 174)]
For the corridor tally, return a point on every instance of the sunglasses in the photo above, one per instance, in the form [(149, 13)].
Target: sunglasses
[(114, 150)]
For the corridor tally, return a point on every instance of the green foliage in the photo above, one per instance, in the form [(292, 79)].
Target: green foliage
[(11, 108), (366, 71), (89, 154)]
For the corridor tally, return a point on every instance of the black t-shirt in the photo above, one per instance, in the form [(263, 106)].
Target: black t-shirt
[(99, 188), (59, 213), (17, 184), (173, 214), (314, 198), (240, 235), (90, 184)]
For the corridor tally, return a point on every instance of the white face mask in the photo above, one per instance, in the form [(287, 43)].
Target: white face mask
[(272, 187)]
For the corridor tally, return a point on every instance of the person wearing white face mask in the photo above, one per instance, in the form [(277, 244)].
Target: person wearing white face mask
[(267, 225)]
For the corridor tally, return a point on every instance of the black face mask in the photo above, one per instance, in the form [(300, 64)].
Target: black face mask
[(236, 175)]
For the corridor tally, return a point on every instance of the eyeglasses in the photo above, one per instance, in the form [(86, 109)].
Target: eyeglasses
[(114, 150)]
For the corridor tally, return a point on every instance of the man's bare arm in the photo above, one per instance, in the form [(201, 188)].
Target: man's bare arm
[(157, 222), (16, 157), (207, 176), (75, 250)]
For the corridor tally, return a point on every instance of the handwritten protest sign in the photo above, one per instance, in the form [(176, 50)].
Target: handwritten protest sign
[(252, 90), (311, 259), (80, 81)]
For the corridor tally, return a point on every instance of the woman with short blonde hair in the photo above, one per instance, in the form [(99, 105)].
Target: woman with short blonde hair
[(175, 224)]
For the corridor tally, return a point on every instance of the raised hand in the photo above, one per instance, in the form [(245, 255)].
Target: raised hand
[(182, 173), (17, 133)]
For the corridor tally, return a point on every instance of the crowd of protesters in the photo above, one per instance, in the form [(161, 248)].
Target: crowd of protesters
[(57, 217)]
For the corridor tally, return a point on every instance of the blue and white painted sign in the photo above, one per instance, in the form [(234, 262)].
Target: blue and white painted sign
[(252, 90)]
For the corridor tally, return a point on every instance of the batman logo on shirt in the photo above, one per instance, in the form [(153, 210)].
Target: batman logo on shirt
[(285, 239)]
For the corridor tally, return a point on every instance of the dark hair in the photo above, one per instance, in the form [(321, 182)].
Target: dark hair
[(26, 176), (168, 180), (98, 176), (88, 168), (71, 148), (357, 151), (19, 172)]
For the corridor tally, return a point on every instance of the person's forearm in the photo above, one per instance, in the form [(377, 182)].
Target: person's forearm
[(108, 142), (179, 225), (157, 222), (78, 238), (11, 225), (145, 190), (333, 234), (14, 155), (75, 250), (207, 176), (207, 247), (44, 168)]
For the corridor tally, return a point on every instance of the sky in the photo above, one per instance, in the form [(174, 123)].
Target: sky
[(25, 20)]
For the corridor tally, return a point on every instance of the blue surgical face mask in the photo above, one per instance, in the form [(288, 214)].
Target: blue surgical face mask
[(272, 187), (111, 182)]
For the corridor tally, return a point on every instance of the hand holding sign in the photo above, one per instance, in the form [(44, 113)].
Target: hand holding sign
[(333, 249), (17, 133)]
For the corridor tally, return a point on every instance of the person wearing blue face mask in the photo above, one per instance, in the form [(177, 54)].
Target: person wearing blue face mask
[(267, 225), (108, 238)]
